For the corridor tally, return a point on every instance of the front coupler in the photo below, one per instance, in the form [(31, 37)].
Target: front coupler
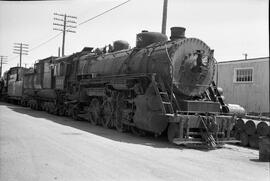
[(212, 130)]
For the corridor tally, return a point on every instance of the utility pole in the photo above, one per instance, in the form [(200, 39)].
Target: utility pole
[(58, 51), (21, 49), (2, 61), (66, 22), (164, 17)]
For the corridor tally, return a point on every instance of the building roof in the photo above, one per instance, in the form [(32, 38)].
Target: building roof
[(246, 60)]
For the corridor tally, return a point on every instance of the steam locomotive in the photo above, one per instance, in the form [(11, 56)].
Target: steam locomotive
[(159, 86)]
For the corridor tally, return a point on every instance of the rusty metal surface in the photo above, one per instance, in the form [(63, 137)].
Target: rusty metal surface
[(190, 79), (202, 106), (192, 121), (193, 66), (146, 117)]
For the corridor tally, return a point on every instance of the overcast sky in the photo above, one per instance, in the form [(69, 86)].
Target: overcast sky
[(230, 27)]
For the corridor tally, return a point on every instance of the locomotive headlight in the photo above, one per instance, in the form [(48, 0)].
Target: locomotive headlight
[(205, 60), (199, 60)]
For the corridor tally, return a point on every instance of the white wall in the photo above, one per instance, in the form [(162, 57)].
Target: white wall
[(254, 97)]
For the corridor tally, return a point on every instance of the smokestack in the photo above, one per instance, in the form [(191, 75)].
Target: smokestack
[(177, 33), (164, 17)]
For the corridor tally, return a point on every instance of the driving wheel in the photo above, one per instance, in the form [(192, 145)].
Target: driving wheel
[(173, 131), (94, 111), (107, 118)]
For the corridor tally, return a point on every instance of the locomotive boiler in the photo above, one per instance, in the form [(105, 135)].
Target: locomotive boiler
[(160, 85), (185, 62)]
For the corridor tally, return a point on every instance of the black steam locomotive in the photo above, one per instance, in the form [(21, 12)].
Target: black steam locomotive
[(160, 85)]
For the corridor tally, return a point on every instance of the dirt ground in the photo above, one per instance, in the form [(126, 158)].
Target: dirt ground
[(35, 146)]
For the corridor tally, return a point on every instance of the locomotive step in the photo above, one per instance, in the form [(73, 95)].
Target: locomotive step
[(180, 141), (165, 99), (84, 116), (198, 133), (166, 103)]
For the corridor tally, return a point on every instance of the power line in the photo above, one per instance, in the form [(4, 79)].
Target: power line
[(55, 36), (103, 13), (39, 45)]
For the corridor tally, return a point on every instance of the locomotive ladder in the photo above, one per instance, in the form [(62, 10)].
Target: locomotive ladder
[(215, 96), (166, 104)]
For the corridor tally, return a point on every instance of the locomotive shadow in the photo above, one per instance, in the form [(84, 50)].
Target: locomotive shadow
[(112, 134)]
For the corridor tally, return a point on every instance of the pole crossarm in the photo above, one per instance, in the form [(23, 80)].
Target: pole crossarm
[(69, 26), (21, 44), (57, 19), (71, 16), (67, 23), (57, 24), (57, 29), (70, 31), (58, 14), (21, 49)]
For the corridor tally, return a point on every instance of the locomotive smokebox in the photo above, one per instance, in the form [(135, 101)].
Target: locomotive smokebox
[(177, 33)]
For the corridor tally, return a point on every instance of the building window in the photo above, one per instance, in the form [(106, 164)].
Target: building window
[(243, 75)]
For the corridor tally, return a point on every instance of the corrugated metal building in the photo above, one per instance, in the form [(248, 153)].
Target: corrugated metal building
[(245, 82)]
